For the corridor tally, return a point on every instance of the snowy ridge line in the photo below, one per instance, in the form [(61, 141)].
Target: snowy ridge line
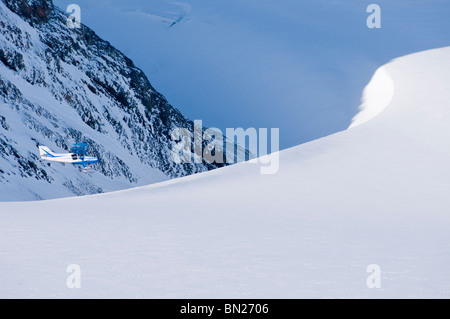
[(377, 95), (374, 196)]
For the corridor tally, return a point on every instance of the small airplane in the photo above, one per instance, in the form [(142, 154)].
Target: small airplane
[(77, 157)]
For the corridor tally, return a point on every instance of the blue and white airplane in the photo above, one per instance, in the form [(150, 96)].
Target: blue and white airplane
[(77, 157)]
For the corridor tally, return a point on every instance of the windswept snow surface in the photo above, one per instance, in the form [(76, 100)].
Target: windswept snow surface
[(374, 194), (376, 97)]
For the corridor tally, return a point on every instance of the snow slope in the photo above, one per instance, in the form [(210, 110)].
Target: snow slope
[(60, 86), (296, 65), (374, 194)]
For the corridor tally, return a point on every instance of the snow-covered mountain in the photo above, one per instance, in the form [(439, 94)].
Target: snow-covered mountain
[(375, 194), (61, 85), (299, 65)]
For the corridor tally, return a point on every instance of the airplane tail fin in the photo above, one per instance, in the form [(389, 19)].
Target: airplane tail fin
[(44, 151)]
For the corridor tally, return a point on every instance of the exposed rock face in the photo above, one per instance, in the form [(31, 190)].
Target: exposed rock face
[(59, 86)]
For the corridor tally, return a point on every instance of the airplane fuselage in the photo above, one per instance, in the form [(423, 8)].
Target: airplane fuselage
[(69, 158), (66, 158)]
